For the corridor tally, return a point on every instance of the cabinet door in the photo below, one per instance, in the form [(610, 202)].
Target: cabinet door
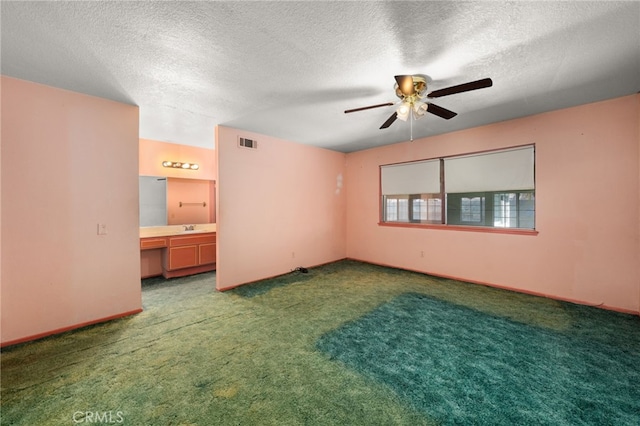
[(207, 253), (183, 257)]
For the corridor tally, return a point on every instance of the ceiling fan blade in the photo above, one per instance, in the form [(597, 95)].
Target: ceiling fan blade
[(368, 107), (405, 83), (389, 121), (441, 112), (473, 85)]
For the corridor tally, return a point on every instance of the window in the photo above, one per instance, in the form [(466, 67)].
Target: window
[(472, 209), (397, 209), (412, 208), (411, 192), (426, 208), (492, 209), (491, 189)]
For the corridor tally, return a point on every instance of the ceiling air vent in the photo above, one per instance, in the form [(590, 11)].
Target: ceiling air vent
[(247, 143)]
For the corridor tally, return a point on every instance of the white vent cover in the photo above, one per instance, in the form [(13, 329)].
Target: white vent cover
[(247, 143)]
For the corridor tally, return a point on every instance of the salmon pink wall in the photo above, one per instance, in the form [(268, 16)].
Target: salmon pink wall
[(69, 163), (279, 207), (587, 208), (153, 153), (192, 193)]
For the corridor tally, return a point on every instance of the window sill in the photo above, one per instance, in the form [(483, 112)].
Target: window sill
[(487, 230)]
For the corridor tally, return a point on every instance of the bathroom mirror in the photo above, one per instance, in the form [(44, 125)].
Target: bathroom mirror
[(176, 201), (153, 201)]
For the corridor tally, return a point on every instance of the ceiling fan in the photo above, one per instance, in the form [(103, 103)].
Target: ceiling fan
[(412, 91)]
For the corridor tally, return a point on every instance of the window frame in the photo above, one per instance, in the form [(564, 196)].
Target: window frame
[(443, 224)]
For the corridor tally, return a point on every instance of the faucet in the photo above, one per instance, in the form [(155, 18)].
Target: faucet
[(189, 227)]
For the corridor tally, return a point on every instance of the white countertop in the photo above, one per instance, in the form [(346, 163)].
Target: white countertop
[(163, 231)]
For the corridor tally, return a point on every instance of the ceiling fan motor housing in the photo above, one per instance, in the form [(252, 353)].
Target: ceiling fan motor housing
[(419, 89)]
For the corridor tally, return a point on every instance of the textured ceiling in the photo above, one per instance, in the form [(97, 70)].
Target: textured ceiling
[(290, 69)]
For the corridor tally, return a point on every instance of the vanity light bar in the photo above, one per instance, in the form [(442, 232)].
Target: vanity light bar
[(180, 165)]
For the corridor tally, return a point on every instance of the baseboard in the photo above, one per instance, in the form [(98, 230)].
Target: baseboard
[(516, 290), (68, 328), (231, 287)]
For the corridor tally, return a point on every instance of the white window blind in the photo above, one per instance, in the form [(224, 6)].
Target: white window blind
[(420, 177), (511, 169)]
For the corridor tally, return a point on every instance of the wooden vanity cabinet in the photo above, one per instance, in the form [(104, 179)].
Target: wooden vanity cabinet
[(153, 243), (207, 253), (189, 254), (151, 249)]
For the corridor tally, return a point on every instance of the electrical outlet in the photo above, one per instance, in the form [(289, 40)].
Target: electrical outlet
[(422, 253), (102, 229), (293, 254)]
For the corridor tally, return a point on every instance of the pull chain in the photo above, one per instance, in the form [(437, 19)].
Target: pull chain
[(411, 124)]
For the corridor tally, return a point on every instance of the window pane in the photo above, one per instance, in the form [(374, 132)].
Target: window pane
[(392, 210), (471, 209), (434, 209), (526, 210), (505, 210), (414, 208), (403, 210), (425, 208), (419, 209)]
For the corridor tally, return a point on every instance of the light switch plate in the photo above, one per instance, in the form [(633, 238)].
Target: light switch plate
[(102, 229)]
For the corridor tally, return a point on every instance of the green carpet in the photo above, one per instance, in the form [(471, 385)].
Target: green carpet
[(251, 356), (462, 366)]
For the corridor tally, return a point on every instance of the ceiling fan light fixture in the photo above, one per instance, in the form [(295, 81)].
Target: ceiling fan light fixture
[(403, 111), (419, 109)]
